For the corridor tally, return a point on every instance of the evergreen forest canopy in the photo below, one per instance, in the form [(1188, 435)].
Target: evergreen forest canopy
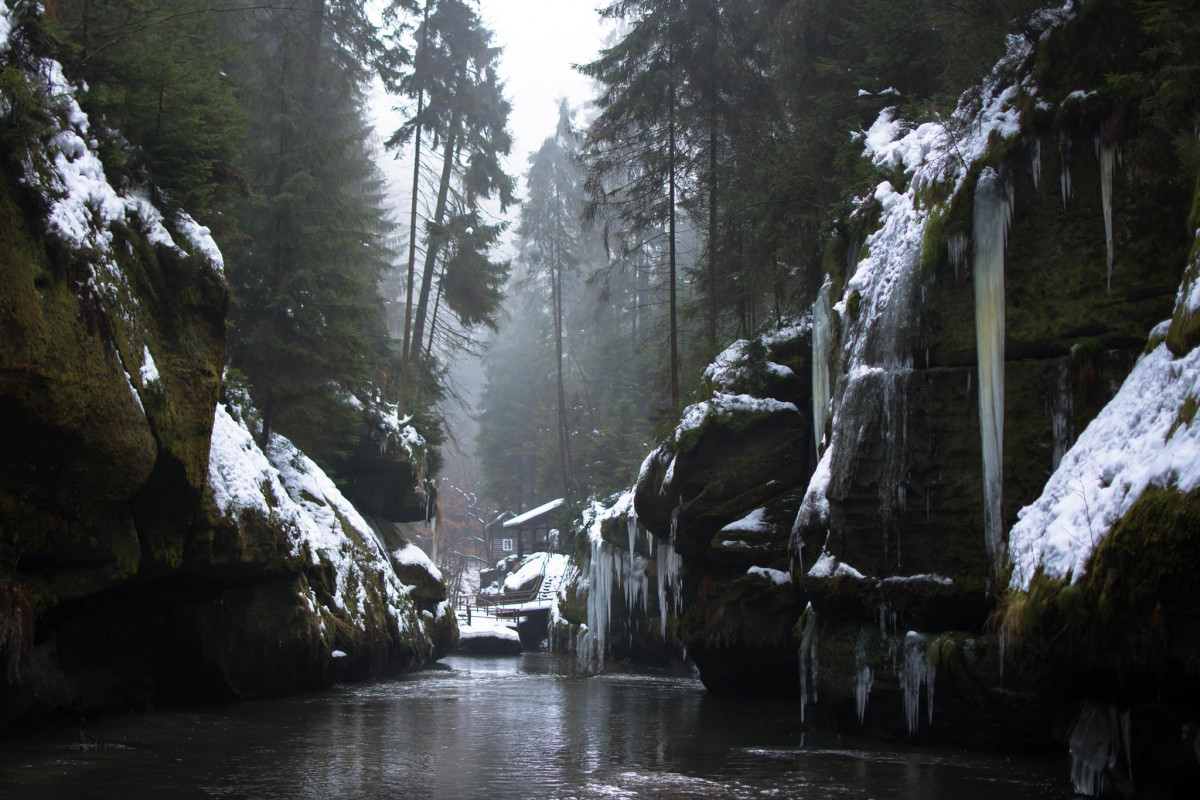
[(252, 116), (707, 193)]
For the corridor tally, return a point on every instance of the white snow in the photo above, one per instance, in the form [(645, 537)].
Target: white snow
[(82, 205), (482, 627), (531, 568), (5, 27), (828, 566), (723, 404), (775, 576), (732, 363), (814, 509), (149, 370), (286, 486), (619, 506), (945, 149), (1188, 299), (534, 513), (412, 556), (1133, 443), (200, 239), (923, 577), (727, 366), (338, 654), (397, 429), (788, 330), (754, 522)]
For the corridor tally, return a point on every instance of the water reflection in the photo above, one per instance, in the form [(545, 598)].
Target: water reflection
[(500, 728)]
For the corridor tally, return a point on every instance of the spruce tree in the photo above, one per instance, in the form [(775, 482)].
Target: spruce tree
[(308, 319), (461, 107)]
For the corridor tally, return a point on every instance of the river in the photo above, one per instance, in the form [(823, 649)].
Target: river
[(498, 728)]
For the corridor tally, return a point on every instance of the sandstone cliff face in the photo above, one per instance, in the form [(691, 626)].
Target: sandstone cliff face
[(126, 571), (866, 581)]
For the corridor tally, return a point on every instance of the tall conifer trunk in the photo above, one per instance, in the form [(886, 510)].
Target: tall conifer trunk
[(712, 218), (431, 251), (412, 221), (674, 337), (563, 437)]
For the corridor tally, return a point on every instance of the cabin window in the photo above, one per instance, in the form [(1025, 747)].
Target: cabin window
[(506, 544)]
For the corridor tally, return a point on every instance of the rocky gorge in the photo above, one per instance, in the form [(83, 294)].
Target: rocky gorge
[(151, 545), (956, 503)]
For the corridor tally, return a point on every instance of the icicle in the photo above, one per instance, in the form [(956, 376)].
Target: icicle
[(1099, 742), (636, 581), (1037, 163), (605, 570), (1064, 178), (1061, 411), (822, 349), (669, 580), (670, 575), (887, 618), (631, 528), (993, 213), (863, 675), (956, 251), (1108, 155), (918, 669), (808, 659)]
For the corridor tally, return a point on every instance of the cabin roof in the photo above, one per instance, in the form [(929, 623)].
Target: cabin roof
[(534, 514)]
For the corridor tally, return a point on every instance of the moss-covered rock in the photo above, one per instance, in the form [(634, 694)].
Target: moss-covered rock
[(1184, 333), (123, 576)]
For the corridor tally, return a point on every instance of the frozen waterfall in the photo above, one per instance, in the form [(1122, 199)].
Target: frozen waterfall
[(993, 213), (669, 576), (822, 350), (919, 668), (808, 659), (1108, 155), (1064, 178)]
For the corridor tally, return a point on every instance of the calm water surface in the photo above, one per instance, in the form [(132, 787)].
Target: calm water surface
[(499, 728)]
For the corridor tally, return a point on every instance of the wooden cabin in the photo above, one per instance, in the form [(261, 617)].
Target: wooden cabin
[(529, 532)]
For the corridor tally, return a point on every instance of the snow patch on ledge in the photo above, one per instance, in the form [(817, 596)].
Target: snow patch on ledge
[(1136, 441), (754, 522), (723, 404), (776, 576), (597, 513), (412, 556), (828, 566), (922, 578)]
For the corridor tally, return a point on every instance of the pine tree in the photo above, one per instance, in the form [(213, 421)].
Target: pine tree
[(308, 319), (633, 147), (157, 76), (552, 245), (461, 106)]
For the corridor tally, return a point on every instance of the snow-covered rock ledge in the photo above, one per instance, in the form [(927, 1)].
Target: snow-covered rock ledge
[(1144, 437), (350, 592)]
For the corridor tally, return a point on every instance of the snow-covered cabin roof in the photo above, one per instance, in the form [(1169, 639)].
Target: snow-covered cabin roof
[(533, 514)]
